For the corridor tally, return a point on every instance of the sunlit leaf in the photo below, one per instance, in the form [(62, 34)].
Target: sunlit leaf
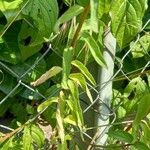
[(94, 15), (79, 79), (27, 139), (67, 58), (68, 15), (84, 71), (44, 17), (94, 49), (37, 135), (126, 19), (142, 47), (50, 73), (47, 103)]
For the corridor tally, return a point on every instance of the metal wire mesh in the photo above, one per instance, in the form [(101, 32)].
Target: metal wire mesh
[(119, 64)]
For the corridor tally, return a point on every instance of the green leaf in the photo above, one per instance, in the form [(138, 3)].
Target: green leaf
[(10, 8), (9, 49), (126, 19), (70, 119), (94, 49), (47, 103), (44, 15), (83, 2), (142, 47), (37, 135), (27, 139), (67, 58), (79, 79), (84, 71), (141, 146), (73, 11), (76, 107), (121, 136), (53, 91), (94, 15), (104, 7), (26, 36), (143, 109), (50, 73), (136, 85)]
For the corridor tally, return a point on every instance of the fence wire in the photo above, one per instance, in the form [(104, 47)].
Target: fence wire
[(119, 63)]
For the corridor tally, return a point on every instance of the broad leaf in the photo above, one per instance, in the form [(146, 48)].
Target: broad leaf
[(10, 8), (94, 49), (142, 47), (44, 15), (104, 7), (121, 136), (126, 19), (84, 70)]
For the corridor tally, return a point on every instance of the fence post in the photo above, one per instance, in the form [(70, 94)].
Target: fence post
[(105, 88)]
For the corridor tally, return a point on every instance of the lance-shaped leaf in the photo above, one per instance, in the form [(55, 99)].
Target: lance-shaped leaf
[(27, 139), (80, 80), (67, 58), (126, 19), (68, 15), (94, 49), (84, 71), (50, 73), (47, 103), (76, 108)]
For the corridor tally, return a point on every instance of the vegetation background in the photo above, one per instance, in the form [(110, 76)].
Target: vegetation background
[(50, 55)]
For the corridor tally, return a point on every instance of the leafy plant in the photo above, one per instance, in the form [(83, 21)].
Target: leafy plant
[(45, 51)]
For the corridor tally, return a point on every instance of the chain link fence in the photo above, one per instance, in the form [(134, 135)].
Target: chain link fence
[(118, 74)]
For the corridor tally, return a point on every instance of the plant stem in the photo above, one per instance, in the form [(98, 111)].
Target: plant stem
[(83, 17)]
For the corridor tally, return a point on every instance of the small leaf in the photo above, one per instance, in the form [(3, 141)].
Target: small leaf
[(67, 58), (121, 136), (27, 139), (68, 15), (76, 107), (50, 73), (47, 103), (94, 15), (94, 49), (143, 109), (37, 135), (69, 119), (142, 47), (84, 71), (79, 79)]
